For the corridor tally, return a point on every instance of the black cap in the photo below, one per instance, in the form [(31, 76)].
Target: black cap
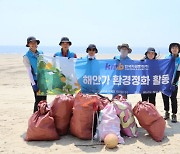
[(30, 39), (151, 49), (174, 44), (92, 46), (65, 39)]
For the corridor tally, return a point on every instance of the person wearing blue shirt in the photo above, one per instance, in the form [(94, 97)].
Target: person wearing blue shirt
[(174, 49), (65, 52), (91, 52), (124, 50), (30, 62), (90, 62), (150, 54)]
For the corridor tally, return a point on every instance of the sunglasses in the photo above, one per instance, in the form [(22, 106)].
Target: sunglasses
[(92, 49)]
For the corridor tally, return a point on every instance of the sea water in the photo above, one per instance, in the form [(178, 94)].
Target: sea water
[(50, 50)]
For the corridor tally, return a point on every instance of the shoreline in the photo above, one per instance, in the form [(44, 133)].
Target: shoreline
[(99, 56)]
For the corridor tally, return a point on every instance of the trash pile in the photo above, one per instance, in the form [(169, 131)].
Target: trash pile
[(93, 117)]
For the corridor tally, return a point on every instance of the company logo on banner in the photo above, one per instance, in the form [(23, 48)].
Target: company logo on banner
[(105, 76), (125, 76)]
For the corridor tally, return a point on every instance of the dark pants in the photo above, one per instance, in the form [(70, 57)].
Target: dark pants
[(173, 101), (151, 98), (37, 99)]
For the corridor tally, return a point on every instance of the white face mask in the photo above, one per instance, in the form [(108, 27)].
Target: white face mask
[(124, 53), (91, 56)]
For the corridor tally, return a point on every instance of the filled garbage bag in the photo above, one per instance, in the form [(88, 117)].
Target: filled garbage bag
[(125, 113), (41, 125), (61, 108), (150, 120), (109, 123), (103, 101), (84, 108)]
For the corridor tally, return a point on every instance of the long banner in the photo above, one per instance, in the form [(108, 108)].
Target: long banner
[(62, 75)]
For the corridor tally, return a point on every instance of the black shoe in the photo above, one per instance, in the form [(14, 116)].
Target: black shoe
[(174, 118), (166, 116)]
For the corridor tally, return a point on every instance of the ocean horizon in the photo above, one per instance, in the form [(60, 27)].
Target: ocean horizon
[(78, 50)]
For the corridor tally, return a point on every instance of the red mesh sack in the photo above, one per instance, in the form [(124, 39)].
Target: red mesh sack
[(103, 101), (41, 125), (150, 119), (82, 119), (156, 129), (146, 113), (61, 108)]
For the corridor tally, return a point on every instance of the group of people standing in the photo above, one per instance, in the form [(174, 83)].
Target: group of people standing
[(30, 62)]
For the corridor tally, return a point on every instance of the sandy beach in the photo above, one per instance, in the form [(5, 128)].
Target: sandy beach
[(16, 100)]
